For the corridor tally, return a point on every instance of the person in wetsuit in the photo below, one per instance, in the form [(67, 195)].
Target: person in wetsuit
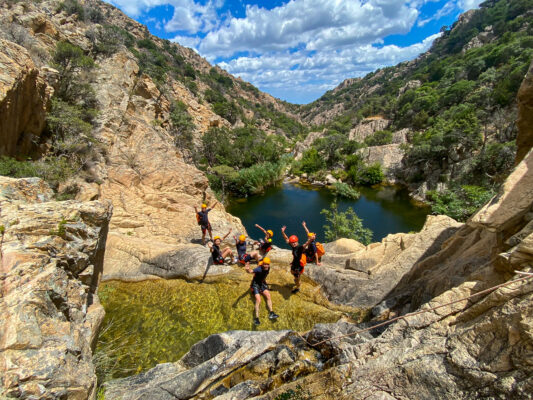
[(297, 269), (203, 221), (220, 255), (264, 245), (242, 254), (311, 252), (259, 287)]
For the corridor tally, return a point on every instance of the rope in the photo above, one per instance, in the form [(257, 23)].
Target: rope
[(528, 275)]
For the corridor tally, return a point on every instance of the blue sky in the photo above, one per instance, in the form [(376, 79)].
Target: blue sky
[(298, 49)]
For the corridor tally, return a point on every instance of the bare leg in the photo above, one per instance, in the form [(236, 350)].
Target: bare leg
[(257, 302), (210, 232), (203, 237), (255, 255), (266, 293), (227, 253), (297, 281)]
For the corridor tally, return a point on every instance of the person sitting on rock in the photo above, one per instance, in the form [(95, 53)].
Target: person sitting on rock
[(311, 252), (264, 245), (218, 255), (243, 256), (298, 262), (203, 221), (259, 287)]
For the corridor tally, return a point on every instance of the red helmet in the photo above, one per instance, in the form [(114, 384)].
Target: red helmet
[(293, 239)]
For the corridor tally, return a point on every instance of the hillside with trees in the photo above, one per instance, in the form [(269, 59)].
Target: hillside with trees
[(450, 113)]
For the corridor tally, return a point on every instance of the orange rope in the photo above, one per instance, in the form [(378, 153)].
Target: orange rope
[(528, 276)]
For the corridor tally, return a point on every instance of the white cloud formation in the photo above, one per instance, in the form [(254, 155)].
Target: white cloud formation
[(305, 46), (188, 16), (314, 24)]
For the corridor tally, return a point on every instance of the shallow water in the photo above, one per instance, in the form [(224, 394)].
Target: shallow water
[(384, 210), (152, 322)]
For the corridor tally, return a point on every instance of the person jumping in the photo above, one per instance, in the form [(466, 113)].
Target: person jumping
[(203, 221), (297, 268), (264, 245), (311, 252), (220, 255), (260, 287), (244, 257)]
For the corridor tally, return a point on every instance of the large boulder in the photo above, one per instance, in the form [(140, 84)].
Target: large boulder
[(52, 259), (389, 156), (24, 97), (368, 127), (364, 277)]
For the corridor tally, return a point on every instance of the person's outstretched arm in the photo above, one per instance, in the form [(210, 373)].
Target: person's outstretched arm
[(227, 234), (306, 244), (284, 234), (260, 227), (247, 269), (305, 227)]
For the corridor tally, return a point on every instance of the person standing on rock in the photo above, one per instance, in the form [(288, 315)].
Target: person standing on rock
[(311, 252), (203, 221), (298, 257), (220, 255), (264, 245), (260, 287), (242, 254)]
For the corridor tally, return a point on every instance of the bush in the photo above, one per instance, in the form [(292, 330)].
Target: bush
[(371, 175), (106, 40), (54, 170), (72, 7), (345, 225), (182, 125), (311, 162), (379, 138), (459, 202), (345, 190)]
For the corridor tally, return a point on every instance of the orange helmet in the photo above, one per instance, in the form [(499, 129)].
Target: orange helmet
[(270, 232), (266, 260), (293, 239), (242, 238)]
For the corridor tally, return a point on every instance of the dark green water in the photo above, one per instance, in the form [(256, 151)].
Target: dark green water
[(384, 210)]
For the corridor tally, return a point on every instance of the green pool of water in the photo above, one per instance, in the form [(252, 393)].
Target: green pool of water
[(152, 322), (384, 209)]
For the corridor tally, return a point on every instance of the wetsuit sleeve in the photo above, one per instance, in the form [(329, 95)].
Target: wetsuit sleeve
[(257, 270)]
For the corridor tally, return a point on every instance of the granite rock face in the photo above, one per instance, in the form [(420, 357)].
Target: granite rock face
[(52, 258), (24, 98)]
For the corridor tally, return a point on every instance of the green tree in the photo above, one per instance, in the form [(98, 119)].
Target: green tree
[(182, 125), (345, 225)]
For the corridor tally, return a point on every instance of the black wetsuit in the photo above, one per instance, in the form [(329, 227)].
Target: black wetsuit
[(217, 255), (296, 267), (259, 284)]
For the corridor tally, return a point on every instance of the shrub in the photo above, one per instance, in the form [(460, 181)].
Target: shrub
[(379, 138), (345, 225), (345, 190), (72, 7), (459, 202), (182, 125), (105, 40), (371, 175)]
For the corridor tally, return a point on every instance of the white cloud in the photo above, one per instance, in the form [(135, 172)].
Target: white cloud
[(188, 16), (320, 71), (187, 41), (465, 5), (313, 24)]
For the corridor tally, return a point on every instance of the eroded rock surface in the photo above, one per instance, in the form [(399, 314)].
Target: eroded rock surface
[(51, 259), (24, 97)]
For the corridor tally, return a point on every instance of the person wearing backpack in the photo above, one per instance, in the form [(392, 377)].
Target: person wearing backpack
[(203, 221), (299, 259), (264, 245), (315, 250)]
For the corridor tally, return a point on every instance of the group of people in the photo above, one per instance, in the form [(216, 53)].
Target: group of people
[(310, 251)]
